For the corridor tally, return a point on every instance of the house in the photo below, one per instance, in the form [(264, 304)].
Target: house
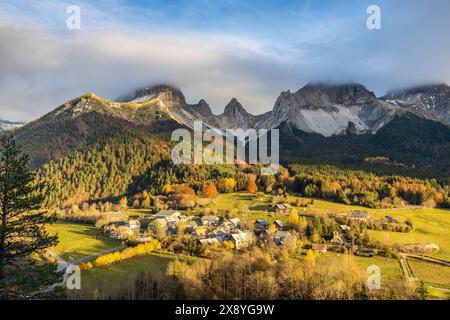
[(168, 215), (391, 219), (210, 220), (219, 233), (337, 240), (279, 225), (123, 233), (359, 215), (235, 223), (261, 225), (191, 225), (319, 247), (209, 242), (144, 239), (133, 224), (242, 240), (282, 207), (199, 232), (123, 229), (281, 237)]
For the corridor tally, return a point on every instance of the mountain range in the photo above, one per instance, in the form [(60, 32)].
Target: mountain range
[(343, 123), (316, 108)]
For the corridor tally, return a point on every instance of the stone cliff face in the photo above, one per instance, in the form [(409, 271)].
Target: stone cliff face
[(328, 109), (432, 101)]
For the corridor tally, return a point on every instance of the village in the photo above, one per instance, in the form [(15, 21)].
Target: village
[(234, 234)]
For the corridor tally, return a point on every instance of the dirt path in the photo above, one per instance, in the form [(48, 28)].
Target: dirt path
[(63, 264), (428, 259), (96, 255)]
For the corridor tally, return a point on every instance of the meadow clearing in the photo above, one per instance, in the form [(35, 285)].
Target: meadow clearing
[(79, 240), (109, 282)]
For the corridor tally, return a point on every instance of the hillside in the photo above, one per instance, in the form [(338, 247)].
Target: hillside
[(8, 125), (86, 119), (413, 146)]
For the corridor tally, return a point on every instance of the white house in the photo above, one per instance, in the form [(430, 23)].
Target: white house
[(242, 240)]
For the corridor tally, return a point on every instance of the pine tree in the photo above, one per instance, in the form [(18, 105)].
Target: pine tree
[(22, 228)]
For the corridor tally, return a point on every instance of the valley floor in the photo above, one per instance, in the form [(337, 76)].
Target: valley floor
[(431, 225)]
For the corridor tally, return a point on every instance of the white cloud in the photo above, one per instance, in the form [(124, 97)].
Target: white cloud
[(42, 64), (40, 71)]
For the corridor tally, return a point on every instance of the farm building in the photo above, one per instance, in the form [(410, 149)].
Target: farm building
[(319, 247), (168, 215), (359, 215), (282, 207), (391, 219), (280, 225), (210, 220), (261, 225)]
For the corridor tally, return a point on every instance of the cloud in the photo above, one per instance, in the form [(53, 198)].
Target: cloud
[(40, 72), (251, 52)]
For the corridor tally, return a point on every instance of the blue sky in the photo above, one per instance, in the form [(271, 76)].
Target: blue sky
[(216, 49)]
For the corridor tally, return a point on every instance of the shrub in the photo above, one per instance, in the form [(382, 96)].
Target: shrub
[(127, 253), (85, 266)]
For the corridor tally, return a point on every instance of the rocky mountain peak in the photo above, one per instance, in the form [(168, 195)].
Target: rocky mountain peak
[(234, 107), (432, 100), (322, 94), (328, 108), (235, 116), (170, 96)]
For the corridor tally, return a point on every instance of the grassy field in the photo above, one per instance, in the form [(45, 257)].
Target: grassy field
[(104, 282), (258, 208), (431, 225), (431, 273), (78, 240), (391, 273)]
